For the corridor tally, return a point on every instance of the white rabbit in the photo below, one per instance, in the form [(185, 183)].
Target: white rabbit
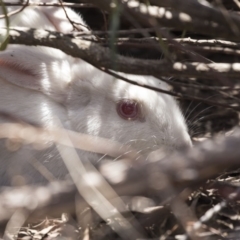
[(39, 83)]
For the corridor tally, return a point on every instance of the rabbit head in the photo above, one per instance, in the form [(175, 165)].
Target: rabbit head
[(40, 83), (112, 108)]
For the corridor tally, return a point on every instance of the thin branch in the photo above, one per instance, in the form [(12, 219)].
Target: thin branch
[(207, 42), (52, 4), (175, 94), (16, 11), (173, 19), (145, 178), (203, 11), (95, 55), (101, 58)]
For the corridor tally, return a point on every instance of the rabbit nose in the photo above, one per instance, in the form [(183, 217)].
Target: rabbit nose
[(186, 143)]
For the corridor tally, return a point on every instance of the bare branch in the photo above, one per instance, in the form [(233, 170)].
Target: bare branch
[(197, 9), (144, 178), (52, 4), (101, 58), (173, 19), (95, 54)]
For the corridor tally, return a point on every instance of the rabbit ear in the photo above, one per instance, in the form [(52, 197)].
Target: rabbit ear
[(60, 19), (50, 18), (35, 68)]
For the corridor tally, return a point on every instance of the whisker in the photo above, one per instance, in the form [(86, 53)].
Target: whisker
[(136, 140), (154, 137), (120, 156), (193, 126), (202, 112), (193, 131), (198, 106), (101, 158), (197, 133), (189, 105)]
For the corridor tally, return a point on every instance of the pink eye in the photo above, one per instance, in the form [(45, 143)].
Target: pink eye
[(128, 109)]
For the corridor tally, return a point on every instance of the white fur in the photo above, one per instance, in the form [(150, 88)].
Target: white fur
[(39, 83)]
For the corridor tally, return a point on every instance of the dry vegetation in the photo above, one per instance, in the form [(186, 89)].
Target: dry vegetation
[(194, 46)]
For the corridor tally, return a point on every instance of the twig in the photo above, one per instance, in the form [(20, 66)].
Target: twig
[(202, 11), (95, 54), (183, 169), (16, 11), (52, 4)]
